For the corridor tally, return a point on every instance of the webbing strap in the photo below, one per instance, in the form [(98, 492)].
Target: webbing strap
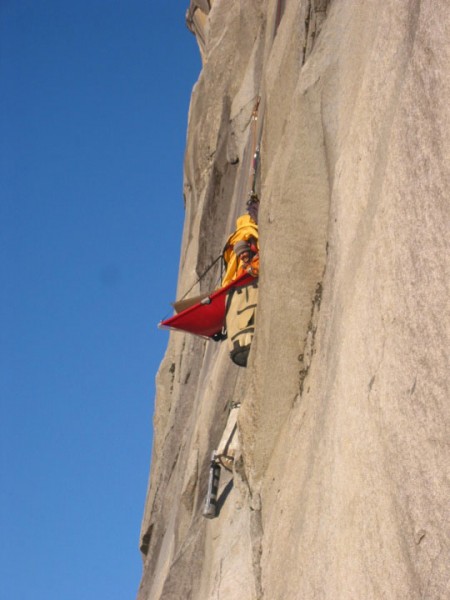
[(201, 276)]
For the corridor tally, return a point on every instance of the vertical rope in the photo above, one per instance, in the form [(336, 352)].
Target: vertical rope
[(246, 187), (257, 131)]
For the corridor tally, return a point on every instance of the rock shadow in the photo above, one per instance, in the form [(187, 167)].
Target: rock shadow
[(223, 496)]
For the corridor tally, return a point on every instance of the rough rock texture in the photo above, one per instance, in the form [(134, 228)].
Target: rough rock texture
[(342, 489)]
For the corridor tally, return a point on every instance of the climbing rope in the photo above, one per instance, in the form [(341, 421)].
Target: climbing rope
[(253, 198), (201, 276), (256, 137), (251, 159), (255, 148)]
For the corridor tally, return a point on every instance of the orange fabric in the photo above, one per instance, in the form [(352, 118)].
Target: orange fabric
[(252, 267)]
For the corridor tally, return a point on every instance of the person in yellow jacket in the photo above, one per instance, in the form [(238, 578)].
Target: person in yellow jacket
[(247, 230), (248, 259)]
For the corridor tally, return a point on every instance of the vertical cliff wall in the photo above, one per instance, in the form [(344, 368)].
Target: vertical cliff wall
[(341, 487)]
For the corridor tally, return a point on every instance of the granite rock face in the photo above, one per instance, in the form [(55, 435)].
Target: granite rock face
[(341, 488)]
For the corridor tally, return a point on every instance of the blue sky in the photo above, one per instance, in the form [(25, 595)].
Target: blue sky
[(94, 96)]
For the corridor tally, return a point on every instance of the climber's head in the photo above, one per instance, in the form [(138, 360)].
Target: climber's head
[(243, 251)]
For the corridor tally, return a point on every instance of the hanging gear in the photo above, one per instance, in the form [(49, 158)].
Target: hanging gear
[(210, 507), (223, 456), (256, 141), (227, 448), (253, 207)]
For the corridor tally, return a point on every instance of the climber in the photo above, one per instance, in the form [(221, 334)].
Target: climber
[(248, 257), (246, 230)]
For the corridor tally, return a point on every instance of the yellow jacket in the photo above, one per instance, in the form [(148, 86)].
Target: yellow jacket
[(246, 229)]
